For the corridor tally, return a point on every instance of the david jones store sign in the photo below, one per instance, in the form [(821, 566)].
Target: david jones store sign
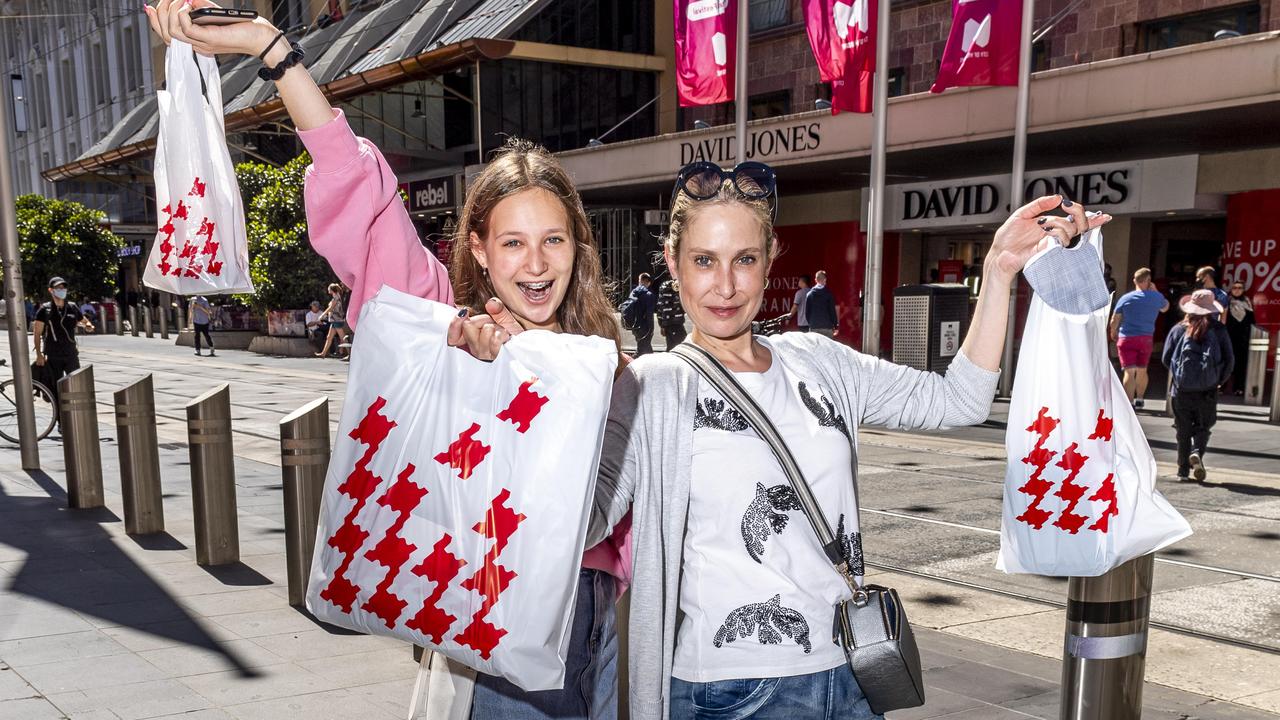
[(975, 201)]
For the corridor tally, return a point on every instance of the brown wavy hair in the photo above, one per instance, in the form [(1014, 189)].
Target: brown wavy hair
[(518, 166)]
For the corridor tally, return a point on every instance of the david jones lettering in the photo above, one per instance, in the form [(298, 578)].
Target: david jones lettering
[(763, 144)]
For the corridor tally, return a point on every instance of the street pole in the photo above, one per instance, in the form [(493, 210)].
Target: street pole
[(741, 101), (871, 310), (1016, 183), (19, 355)]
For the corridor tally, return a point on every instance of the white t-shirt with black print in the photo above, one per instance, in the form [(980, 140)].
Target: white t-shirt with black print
[(757, 594)]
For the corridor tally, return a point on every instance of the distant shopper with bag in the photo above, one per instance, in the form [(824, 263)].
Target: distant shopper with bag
[(737, 456), (1199, 357)]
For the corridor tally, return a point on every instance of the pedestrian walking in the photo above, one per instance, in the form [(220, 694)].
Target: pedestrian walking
[(335, 316), (524, 257), (798, 313), (820, 307), (1199, 357), (733, 594), (201, 318), (637, 313), (671, 313), (1133, 326), (53, 335), (1207, 279), (1240, 323), (89, 312)]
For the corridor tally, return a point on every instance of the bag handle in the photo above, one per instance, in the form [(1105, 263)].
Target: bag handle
[(723, 381)]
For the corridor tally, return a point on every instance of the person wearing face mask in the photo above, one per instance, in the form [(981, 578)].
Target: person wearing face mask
[(54, 336), (1207, 279), (733, 595), (524, 258)]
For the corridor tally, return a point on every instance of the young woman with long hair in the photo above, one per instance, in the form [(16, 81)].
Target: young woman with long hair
[(732, 596), (1199, 356), (336, 315), (523, 258)]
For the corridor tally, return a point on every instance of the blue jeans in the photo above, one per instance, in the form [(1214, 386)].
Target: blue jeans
[(591, 671), (828, 695)]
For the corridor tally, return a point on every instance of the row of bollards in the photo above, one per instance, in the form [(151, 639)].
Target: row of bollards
[(304, 460)]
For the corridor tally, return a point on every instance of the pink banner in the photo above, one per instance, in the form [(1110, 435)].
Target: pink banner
[(982, 48), (1251, 254), (705, 34), (842, 36)]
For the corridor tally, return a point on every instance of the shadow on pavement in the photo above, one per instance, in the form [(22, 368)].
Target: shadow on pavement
[(236, 574), (331, 629), (72, 562)]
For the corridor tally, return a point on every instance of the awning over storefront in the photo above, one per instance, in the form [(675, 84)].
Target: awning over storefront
[(370, 49)]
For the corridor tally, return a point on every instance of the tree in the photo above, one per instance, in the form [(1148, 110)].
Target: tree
[(287, 274), (67, 239)]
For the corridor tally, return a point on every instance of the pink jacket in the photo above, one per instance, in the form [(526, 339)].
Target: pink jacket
[(357, 221)]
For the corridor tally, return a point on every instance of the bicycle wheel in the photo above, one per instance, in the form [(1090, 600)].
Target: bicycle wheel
[(46, 412)]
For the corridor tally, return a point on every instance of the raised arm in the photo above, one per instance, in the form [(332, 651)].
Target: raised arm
[(355, 216), (358, 222)]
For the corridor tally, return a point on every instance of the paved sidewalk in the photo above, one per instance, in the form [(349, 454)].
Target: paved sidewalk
[(97, 625)]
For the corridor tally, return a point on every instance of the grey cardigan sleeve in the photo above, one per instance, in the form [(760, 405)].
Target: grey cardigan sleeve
[(615, 480), (897, 396)]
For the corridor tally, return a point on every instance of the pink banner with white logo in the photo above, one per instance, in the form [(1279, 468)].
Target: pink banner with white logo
[(982, 48), (842, 36), (705, 34)]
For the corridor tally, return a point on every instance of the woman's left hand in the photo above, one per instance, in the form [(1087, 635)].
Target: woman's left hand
[(1028, 231)]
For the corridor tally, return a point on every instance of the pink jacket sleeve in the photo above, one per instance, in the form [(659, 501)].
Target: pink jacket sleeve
[(358, 222)]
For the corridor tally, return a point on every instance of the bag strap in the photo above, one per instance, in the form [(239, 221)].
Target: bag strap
[(733, 393)]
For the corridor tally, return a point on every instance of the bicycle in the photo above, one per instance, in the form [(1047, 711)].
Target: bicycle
[(46, 409)]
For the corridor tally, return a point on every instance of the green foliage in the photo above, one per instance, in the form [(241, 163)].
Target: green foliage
[(59, 237), (287, 274)]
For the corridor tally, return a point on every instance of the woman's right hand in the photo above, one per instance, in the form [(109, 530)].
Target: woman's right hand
[(171, 20)]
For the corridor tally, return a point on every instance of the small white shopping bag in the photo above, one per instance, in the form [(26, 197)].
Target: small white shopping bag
[(1079, 494), (456, 504), (200, 246)]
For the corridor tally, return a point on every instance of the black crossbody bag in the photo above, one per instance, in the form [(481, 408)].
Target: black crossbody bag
[(872, 626)]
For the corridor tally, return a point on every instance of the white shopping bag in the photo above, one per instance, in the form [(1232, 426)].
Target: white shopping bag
[(456, 504), (1079, 494), (200, 247)]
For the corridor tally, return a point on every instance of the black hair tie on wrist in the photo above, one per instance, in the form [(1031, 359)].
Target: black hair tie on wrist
[(263, 55), (295, 56)]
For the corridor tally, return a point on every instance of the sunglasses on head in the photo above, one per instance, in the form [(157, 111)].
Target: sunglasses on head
[(702, 181)]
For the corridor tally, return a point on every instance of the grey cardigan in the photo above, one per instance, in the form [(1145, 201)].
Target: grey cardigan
[(645, 466)]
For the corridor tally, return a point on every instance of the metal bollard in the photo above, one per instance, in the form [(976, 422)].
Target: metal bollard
[(139, 458), (133, 320), (304, 459), (81, 450), (146, 321), (1255, 375), (119, 315), (213, 477), (101, 325), (164, 316), (1104, 658)]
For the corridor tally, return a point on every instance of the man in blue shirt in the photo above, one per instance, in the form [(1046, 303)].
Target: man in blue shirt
[(1133, 323), (1206, 277)]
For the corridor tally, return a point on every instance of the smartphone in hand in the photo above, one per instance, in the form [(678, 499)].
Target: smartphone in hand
[(221, 16)]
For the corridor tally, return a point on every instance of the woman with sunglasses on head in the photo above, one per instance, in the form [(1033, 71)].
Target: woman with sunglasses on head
[(732, 595), (524, 258)]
